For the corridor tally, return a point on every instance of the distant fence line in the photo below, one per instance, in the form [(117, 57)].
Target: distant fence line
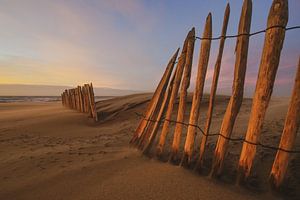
[(162, 103), (81, 98)]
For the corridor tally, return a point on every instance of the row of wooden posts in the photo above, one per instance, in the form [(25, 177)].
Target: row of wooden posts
[(162, 103), (80, 98)]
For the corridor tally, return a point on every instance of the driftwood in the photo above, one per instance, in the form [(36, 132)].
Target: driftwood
[(214, 86), (178, 77), (237, 89), (288, 137), (278, 16), (156, 97), (202, 68), (183, 95)]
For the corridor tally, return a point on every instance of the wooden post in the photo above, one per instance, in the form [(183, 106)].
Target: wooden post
[(92, 101), (84, 93), (73, 99), (214, 86), (83, 99), (62, 99), (162, 110), (89, 100), (180, 66), (80, 98), (291, 126), (278, 16), (68, 98), (88, 109), (183, 96), (156, 97), (202, 68), (76, 98), (236, 99)]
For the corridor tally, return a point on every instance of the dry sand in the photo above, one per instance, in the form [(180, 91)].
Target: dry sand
[(50, 152)]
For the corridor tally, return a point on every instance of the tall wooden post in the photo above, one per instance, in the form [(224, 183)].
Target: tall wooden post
[(236, 99), (147, 131), (214, 86), (88, 108), (180, 66), (202, 68), (156, 97), (164, 105), (291, 126), (62, 99), (92, 102), (183, 95), (73, 99), (76, 98), (278, 16), (83, 99)]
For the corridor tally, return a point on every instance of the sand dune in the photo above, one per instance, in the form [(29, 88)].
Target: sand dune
[(50, 152)]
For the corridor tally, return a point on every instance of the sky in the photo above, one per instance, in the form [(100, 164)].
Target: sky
[(126, 44)]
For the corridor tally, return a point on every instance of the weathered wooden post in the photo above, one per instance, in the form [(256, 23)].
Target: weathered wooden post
[(88, 108), (164, 105), (89, 100), (278, 16), (291, 126), (76, 98), (155, 99), (183, 96), (73, 99), (180, 66), (83, 99), (202, 68), (214, 86), (236, 99), (92, 102), (84, 93), (67, 98), (80, 99)]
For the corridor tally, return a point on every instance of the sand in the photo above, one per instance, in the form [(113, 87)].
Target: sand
[(50, 152)]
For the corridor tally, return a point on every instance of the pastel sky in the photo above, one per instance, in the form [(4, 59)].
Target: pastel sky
[(126, 43)]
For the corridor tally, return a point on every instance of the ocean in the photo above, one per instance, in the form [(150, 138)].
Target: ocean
[(10, 99)]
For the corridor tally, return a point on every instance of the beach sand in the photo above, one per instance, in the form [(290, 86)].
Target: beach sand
[(50, 152)]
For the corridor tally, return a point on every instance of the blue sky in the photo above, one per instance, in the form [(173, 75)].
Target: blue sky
[(127, 43)]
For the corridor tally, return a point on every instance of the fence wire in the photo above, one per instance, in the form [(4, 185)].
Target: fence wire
[(219, 134), (249, 34)]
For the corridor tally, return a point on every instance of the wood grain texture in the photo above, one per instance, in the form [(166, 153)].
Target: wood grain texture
[(214, 86), (156, 96), (176, 84), (183, 95), (236, 99), (288, 137), (202, 68), (273, 43)]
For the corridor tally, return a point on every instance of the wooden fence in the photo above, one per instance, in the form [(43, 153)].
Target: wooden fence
[(82, 99), (162, 103)]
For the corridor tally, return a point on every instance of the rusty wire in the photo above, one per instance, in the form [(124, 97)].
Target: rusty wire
[(248, 34), (219, 134)]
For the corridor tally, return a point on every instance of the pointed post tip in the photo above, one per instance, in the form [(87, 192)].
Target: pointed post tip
[(227, 7)]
